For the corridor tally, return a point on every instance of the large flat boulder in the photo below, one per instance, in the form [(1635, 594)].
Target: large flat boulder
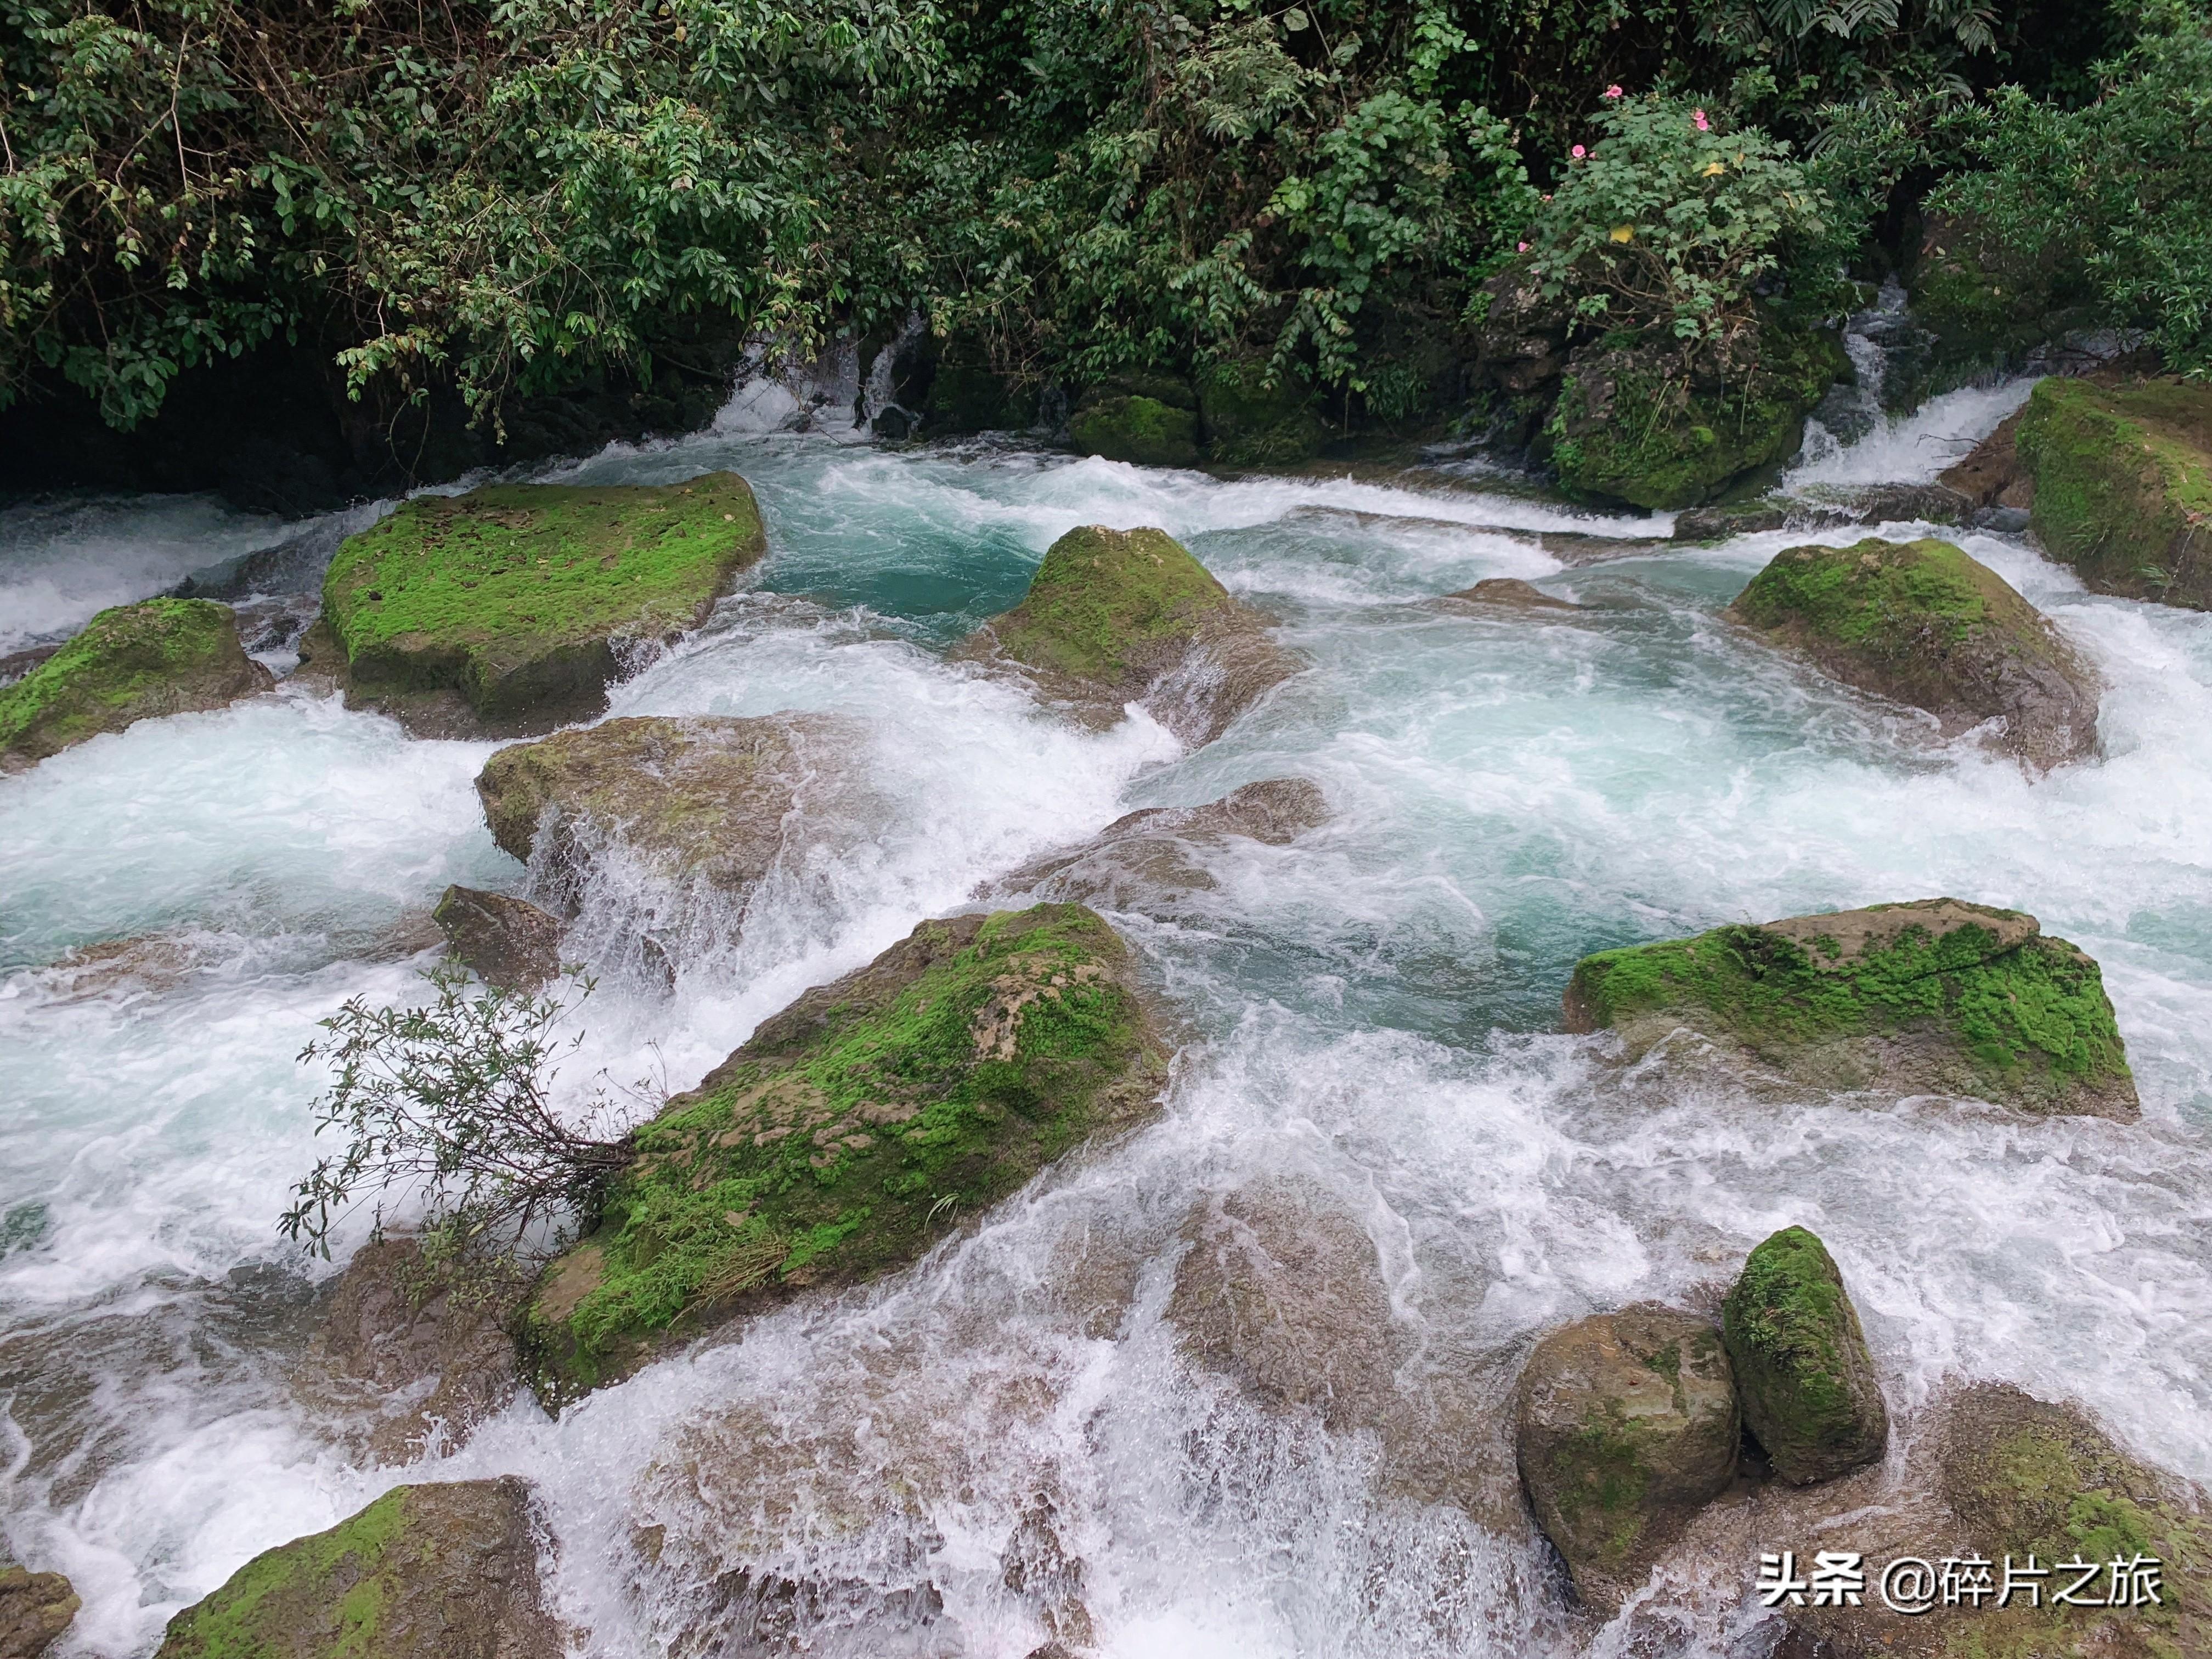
[(1923, 623), (1117, 616), (132, 663), (1936, 996), (1802, 1371), (506, 610), (1626, 1424), (446, 1571), (854, 1130), (2124, 485)]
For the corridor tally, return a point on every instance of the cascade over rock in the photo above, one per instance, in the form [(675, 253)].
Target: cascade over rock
[(1801, 1367), (1626, 1424), (134, 662), (1934, 996), (854, 1129), (504, 612), (1923, 623)]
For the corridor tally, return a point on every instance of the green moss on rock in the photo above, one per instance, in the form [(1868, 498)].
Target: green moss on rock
[(1145, 431), (516, 597), (425, 1573), (1801, 1366), (2124, 485), (132, 663), (1249, 422), (855, 1129), (1631, 425), (1932, 996), (1923, 623)]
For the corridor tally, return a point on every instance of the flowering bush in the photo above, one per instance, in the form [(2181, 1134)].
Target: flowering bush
[(1671, 220)]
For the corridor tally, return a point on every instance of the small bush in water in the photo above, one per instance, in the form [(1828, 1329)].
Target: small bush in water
[(452, 1102)]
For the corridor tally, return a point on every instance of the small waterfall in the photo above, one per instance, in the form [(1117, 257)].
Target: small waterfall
[(880, 411), (777, 393), (1849, 412)]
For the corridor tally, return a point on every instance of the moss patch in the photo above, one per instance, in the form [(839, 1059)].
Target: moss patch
[(858, 1127), (1249, 423), (1144, 431), (345, 1571), (1105, 603), (2124, 485), (136, 661), (513, 595), (1801, 1368), (2027, 1024)]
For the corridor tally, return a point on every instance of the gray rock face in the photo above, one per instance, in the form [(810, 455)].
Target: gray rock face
[(446, 1571), (1803, 1374), (1626, 1424), (35, 1608), (507, 942)]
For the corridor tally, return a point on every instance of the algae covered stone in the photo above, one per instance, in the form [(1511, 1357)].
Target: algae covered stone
[(444, 1571), (1148, 420), (1626, 1424), (2124, 485), (35, 1608), (856, 1128), (134, 662), (1921, 622), (1801, 1367), (1933, 996), (510, 604), (1115, 616)]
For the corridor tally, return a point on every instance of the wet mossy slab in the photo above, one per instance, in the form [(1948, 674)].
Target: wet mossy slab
[(2124, 485), (517, 598), (1923, 623), (135, 662), (1145, 431), (1802, 1371), (868, 1120), (442, 1571), (1936, 996)]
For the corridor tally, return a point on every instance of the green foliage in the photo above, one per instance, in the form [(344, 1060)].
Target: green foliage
[(2120, 189)]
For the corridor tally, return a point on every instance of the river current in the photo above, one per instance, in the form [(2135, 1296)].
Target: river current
[(1372, 1010)]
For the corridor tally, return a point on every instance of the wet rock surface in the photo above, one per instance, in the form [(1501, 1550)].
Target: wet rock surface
[(134, 662), (1806, 1381), (1626, 1424), (506, 941), (445, 1571), (1116, 616), (35, 1609), (1935, 996), (1151, 854), (1509, 592), (1923, 623)]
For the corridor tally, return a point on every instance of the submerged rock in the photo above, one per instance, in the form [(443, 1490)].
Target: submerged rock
[(2124, 485), (1116, 616), (1626, 1424), (854, 1129), (1249, 423), (507, 942), (1145, 420), (1144, 853), (1936, 996), (703, 797), (505, 611), (1923, 623), (1935, 503), (1802, 1371), (1511, 593), (446, 1571), (35, 1608), (132, 663)]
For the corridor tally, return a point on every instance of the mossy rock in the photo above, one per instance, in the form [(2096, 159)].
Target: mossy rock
[(506, 941), (35, 1608), (1249, 422), (968, 394), (1145, 431), (509, 606), (1115, 616), (1801, 1367), (856, 1128), (1632, 424), (1625, 1426), (132, 663), (444, 1571), (1923, 623), (1934, 996), (2124, 485)]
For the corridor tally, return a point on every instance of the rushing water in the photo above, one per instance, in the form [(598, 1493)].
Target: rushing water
[(1370, 1010)]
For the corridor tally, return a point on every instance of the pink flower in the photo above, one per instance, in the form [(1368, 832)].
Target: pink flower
[(1613, 91), (1697, 119), (1547, 198), (1523, 248), (1576, 152)]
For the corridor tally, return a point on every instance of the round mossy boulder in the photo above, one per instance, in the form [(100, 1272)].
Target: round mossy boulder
[(1921, 622), (855, 1129), (1935, 996), (443, 1571), (504, 610), (135, 662), (1625, 1425), (1145, 420), (1801, 1367)]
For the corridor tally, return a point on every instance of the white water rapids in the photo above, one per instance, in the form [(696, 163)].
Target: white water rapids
[(1372, 1008)]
